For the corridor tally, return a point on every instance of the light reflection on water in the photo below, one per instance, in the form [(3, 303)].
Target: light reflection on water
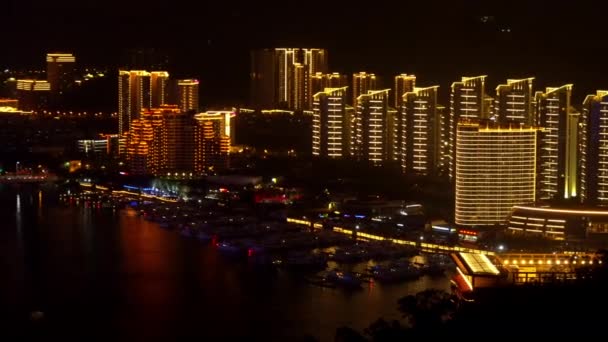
[(91, 267)]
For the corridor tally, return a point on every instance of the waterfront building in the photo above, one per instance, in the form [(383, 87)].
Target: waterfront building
[(495, 168)]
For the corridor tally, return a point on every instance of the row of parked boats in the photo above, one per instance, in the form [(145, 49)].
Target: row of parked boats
[(288, 246)]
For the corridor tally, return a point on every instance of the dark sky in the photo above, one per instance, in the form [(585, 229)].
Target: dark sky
[(438, 41)]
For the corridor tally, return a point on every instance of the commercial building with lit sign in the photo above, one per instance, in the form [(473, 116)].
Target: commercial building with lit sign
[(560, 223)]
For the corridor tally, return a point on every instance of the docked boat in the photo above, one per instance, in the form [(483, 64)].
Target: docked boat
[(396, 271), (343, 279), (348, 254), (302, 260)]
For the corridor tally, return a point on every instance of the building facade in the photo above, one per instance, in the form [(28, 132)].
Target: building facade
[(419, 131), (280, 78), (60, 71), (159, 88), (466, 102), (212, 141), (373, 136), (404, 83), (330, 124), (187, 94), (133, 96), (495, 170), (33, 95), (362, 83), (319, 81), (515, 101), (557, 163), (593, 149)]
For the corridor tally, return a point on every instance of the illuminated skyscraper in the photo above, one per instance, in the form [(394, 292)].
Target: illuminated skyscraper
[(557, 164), (372, 127), (404, 83), (419, 131), (187, 94), (159, 88), (495, 170), (362, 84), (280, 77), (330, 123), (32, 94), (212, 141), (514, 101), (60, 71), (593, 149), (466, 102), (133, 96)]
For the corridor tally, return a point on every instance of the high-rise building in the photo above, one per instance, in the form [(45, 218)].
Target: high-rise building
[(557, 163), (373, 136), (159, 88), (144, 142), (299, 87), (280, 77), (404, 83), (466, 102), (330, 123), (319, 81), (60, 71), (495, 170), (419, 131), (161, 142), (177, 137), (187, 94), (593, 149), (514, 101), (444, 132), (363, 82), (33, 94), (212, 141), (134, 94)]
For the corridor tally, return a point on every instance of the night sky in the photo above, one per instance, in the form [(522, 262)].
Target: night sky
[(436, 41)]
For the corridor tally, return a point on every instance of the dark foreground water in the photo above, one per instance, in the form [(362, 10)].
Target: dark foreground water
[(98, 273)]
